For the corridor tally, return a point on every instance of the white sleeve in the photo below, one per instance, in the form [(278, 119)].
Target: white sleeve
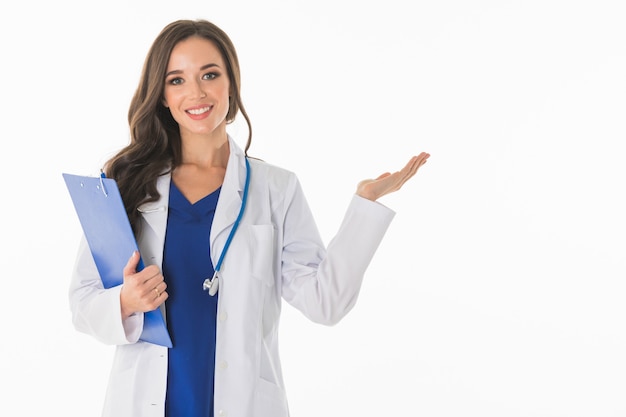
[(95, 310), (324, 283)]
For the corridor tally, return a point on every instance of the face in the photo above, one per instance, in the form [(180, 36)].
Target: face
[(197, 88)]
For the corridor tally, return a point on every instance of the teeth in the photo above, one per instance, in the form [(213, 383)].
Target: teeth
[(199, 111)]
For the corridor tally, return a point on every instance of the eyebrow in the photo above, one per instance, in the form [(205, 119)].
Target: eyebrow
[(202, 68)]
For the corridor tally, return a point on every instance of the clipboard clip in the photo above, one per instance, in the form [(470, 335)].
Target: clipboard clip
[(103, 176)]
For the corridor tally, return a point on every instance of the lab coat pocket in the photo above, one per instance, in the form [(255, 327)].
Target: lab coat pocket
[(270, 400), (261, 245)]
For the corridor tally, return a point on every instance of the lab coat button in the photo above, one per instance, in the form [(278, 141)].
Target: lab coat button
[(222, 413), (223, 365), (223, 316)]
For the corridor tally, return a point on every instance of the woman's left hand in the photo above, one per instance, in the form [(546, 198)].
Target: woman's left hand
[(373, 189)]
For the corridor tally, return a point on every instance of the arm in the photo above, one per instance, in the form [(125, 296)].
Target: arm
[(324, 283)]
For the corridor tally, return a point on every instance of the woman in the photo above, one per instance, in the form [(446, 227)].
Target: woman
[(185, 184)]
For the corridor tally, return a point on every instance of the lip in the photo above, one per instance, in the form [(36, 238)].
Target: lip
[(199, 112)]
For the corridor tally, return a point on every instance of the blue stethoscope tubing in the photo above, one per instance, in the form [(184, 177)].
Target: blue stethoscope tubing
[(211, 284)]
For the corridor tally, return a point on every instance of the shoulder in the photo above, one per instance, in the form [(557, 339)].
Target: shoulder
[(279, 185), (267, 172)]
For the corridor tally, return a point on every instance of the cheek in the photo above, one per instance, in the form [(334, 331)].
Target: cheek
[(167, 99), (170, 97)]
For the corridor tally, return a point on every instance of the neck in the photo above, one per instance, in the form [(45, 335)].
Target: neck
[(205, 152)]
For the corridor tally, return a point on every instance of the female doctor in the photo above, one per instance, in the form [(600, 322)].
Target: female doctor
[(198, 205)]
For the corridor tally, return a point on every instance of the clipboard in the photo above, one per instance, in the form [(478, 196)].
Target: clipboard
[(102, 215)]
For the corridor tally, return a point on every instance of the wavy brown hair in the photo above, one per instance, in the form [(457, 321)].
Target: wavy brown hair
[(155, 144)]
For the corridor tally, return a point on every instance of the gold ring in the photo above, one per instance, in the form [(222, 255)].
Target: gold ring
[(157, 292)]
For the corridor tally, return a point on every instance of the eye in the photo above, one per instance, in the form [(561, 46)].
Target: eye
[(210, 76), (175, 81)]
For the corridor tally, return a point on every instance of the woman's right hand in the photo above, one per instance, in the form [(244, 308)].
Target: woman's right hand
[(141, 291)]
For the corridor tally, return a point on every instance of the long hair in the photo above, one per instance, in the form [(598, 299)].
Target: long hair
[(155, 143)]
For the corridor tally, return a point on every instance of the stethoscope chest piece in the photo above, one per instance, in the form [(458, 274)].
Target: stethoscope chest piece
[(211, 284)]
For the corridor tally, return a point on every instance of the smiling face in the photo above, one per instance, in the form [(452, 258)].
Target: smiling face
[(197, 88)]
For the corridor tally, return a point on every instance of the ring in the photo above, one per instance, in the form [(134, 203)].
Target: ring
[(157, 292)]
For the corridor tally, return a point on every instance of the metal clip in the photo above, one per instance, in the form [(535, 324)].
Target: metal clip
[(104, 190)]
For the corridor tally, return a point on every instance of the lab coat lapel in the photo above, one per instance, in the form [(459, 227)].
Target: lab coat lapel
[(155, 217), (229, 201)]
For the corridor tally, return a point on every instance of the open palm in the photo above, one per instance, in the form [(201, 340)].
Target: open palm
[(386, 183)]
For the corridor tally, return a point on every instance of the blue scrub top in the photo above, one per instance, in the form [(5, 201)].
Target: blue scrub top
[(191, 311)]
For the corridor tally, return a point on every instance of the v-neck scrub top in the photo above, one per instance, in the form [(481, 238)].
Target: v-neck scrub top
[(191, 311)]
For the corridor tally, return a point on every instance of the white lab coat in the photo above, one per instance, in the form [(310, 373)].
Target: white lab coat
[(276, 253)]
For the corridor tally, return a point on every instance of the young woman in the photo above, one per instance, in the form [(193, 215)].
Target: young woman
[(187, 186)]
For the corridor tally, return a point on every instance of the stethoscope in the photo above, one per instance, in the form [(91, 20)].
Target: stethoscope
[(211, 284)]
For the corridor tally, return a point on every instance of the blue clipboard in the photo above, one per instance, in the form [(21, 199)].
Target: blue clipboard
[(107, 229)]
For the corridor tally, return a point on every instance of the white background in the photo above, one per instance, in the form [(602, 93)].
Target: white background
[(499, 288)]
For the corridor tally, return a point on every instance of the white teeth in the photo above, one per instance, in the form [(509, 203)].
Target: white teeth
[(199, 111)]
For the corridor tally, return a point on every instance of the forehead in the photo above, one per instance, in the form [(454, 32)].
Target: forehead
[(194, 51)]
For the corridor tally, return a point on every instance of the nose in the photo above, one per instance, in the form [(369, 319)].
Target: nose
[(197, 90)]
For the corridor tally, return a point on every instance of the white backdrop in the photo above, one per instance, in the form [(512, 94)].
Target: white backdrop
[(499, 288)]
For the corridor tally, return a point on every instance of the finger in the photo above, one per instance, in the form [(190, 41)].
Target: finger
[(415, 163), (159, 300), (149, 274), (159, 295), (411, 167), (160, 287), (422, 158), (151, 289), (409, 170), (131, 265)]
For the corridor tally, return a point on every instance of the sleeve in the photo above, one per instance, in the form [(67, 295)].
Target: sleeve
[(95, 310), (324, 283)]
